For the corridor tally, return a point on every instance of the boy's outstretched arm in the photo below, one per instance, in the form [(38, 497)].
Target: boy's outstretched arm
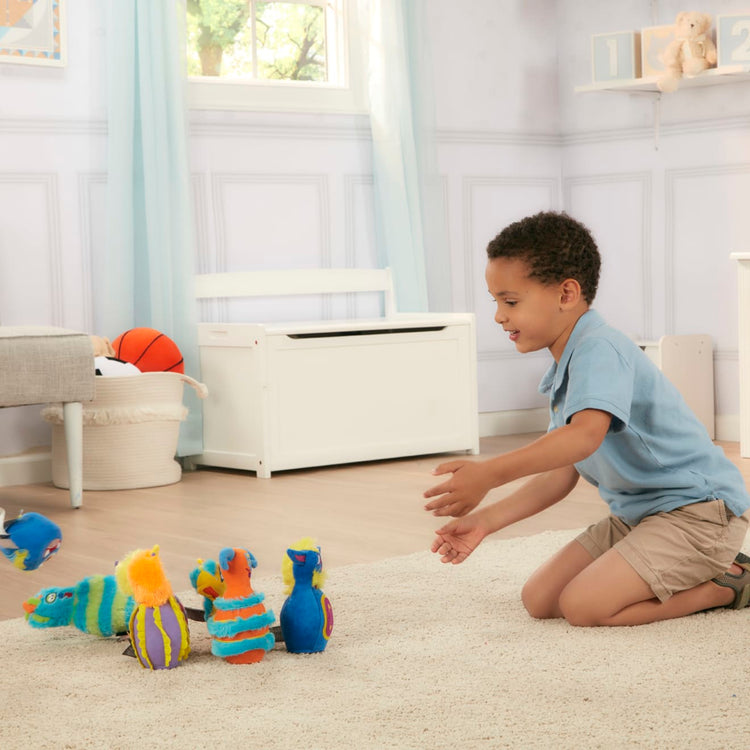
[(470, 481), (457, 539)]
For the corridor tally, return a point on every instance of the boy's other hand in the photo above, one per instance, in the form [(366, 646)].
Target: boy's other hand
[(458, 539), (468, 484)]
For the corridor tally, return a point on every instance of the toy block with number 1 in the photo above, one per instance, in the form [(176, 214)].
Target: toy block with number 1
[(616, 56)]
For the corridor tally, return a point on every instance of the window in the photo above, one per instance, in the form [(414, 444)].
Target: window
[(254, 54)]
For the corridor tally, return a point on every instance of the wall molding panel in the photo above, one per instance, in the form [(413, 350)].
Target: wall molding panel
[(86, 181), (352, 184), (663, 130), (220, 181), (49, 215), (289, 126), (671, 179), (497, 138), (357, 127), (548, 187), (199, 195), (45, 126), (644, 181)]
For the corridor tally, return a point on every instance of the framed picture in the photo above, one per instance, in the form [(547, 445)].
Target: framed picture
[(32, 32)]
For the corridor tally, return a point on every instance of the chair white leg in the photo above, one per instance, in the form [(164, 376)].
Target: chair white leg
[(73, 425)]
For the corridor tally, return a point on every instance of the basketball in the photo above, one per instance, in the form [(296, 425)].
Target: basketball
[(149, 350)]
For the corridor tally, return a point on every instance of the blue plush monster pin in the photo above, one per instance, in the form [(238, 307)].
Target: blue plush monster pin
[(29, 540), (306, 616)]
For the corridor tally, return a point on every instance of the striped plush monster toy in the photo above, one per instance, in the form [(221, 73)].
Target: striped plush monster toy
[(159, 631), (207, 581), (239, 622), (95, 605)]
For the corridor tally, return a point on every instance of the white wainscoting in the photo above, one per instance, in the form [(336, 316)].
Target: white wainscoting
[(661, 217)]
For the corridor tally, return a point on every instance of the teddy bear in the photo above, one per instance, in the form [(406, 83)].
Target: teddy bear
[(691, 52), (102, 346)]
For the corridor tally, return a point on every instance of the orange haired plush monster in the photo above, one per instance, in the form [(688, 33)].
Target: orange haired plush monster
[(240, 622)]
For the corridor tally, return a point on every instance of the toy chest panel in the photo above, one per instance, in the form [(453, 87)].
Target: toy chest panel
[(352, 391), (232, 358)]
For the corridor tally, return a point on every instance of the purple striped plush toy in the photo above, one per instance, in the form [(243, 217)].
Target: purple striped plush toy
[(158, 626)]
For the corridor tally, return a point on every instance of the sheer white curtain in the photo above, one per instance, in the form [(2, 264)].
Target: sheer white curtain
[(144, 274), (409, 207)]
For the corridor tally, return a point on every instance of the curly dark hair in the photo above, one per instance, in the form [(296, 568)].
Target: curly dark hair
[(555, 247)]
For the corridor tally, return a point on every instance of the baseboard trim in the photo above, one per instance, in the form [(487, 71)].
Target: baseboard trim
[(35, 466), (515, 422), (32, 467), (727, 427)]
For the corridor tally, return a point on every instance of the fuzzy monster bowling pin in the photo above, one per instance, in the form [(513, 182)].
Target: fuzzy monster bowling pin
[(239, 623), (306, 617), (158, 626)]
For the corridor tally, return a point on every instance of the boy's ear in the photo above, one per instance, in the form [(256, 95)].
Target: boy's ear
[(570, 293)]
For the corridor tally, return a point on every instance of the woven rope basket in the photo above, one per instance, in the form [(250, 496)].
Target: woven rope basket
[(130, 432)]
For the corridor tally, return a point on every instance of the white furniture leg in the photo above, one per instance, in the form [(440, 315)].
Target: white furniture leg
[(73, 424)]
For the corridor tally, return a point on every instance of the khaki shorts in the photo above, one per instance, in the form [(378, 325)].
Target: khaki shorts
[(673, 551)]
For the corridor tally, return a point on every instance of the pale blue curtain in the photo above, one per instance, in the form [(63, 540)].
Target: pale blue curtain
[(409, 207), (144, 274)]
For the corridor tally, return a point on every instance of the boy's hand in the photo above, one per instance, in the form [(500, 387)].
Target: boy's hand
[(469, 483), (458, 539)]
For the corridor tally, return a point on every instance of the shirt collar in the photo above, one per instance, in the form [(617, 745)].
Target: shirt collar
[(554, 376)]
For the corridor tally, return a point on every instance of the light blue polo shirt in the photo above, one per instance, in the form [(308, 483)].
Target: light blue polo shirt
[(657, 455)]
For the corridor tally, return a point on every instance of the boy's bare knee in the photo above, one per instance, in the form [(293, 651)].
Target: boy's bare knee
[(576, 612), (537, 605)]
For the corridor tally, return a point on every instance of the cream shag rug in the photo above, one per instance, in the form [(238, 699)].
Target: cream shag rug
[(423, 655)]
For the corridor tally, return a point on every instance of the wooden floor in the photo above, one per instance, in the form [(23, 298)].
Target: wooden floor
[(358, 513)]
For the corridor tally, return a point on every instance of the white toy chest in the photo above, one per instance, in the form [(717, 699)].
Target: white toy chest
[(287, 396)]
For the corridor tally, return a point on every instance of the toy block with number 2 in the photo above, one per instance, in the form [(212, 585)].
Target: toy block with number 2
[(733, 39)]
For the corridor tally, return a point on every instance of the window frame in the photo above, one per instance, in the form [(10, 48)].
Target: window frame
[(346, 96)]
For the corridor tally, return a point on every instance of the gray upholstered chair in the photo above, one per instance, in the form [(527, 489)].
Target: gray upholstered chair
[(39, 365)]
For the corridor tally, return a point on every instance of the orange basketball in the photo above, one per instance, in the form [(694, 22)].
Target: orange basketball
[(149, 350)]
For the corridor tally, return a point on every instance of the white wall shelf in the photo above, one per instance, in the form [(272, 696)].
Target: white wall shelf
[(711, 77)]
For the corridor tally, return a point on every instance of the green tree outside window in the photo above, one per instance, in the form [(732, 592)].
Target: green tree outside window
[(262, 40)]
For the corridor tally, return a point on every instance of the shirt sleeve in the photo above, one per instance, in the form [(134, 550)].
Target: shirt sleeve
[(599, 377)]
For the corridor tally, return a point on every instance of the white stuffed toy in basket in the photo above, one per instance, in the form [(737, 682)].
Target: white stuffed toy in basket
[(130, 432)]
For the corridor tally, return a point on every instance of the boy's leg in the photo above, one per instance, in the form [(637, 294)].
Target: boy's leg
[(610, 592), (590, 582), (541, 594), (661, 569)]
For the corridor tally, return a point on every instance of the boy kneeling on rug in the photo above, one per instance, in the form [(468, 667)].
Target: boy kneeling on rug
[(671, 544)]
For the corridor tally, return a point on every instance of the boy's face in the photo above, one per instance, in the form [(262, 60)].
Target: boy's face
[(535, 315)]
